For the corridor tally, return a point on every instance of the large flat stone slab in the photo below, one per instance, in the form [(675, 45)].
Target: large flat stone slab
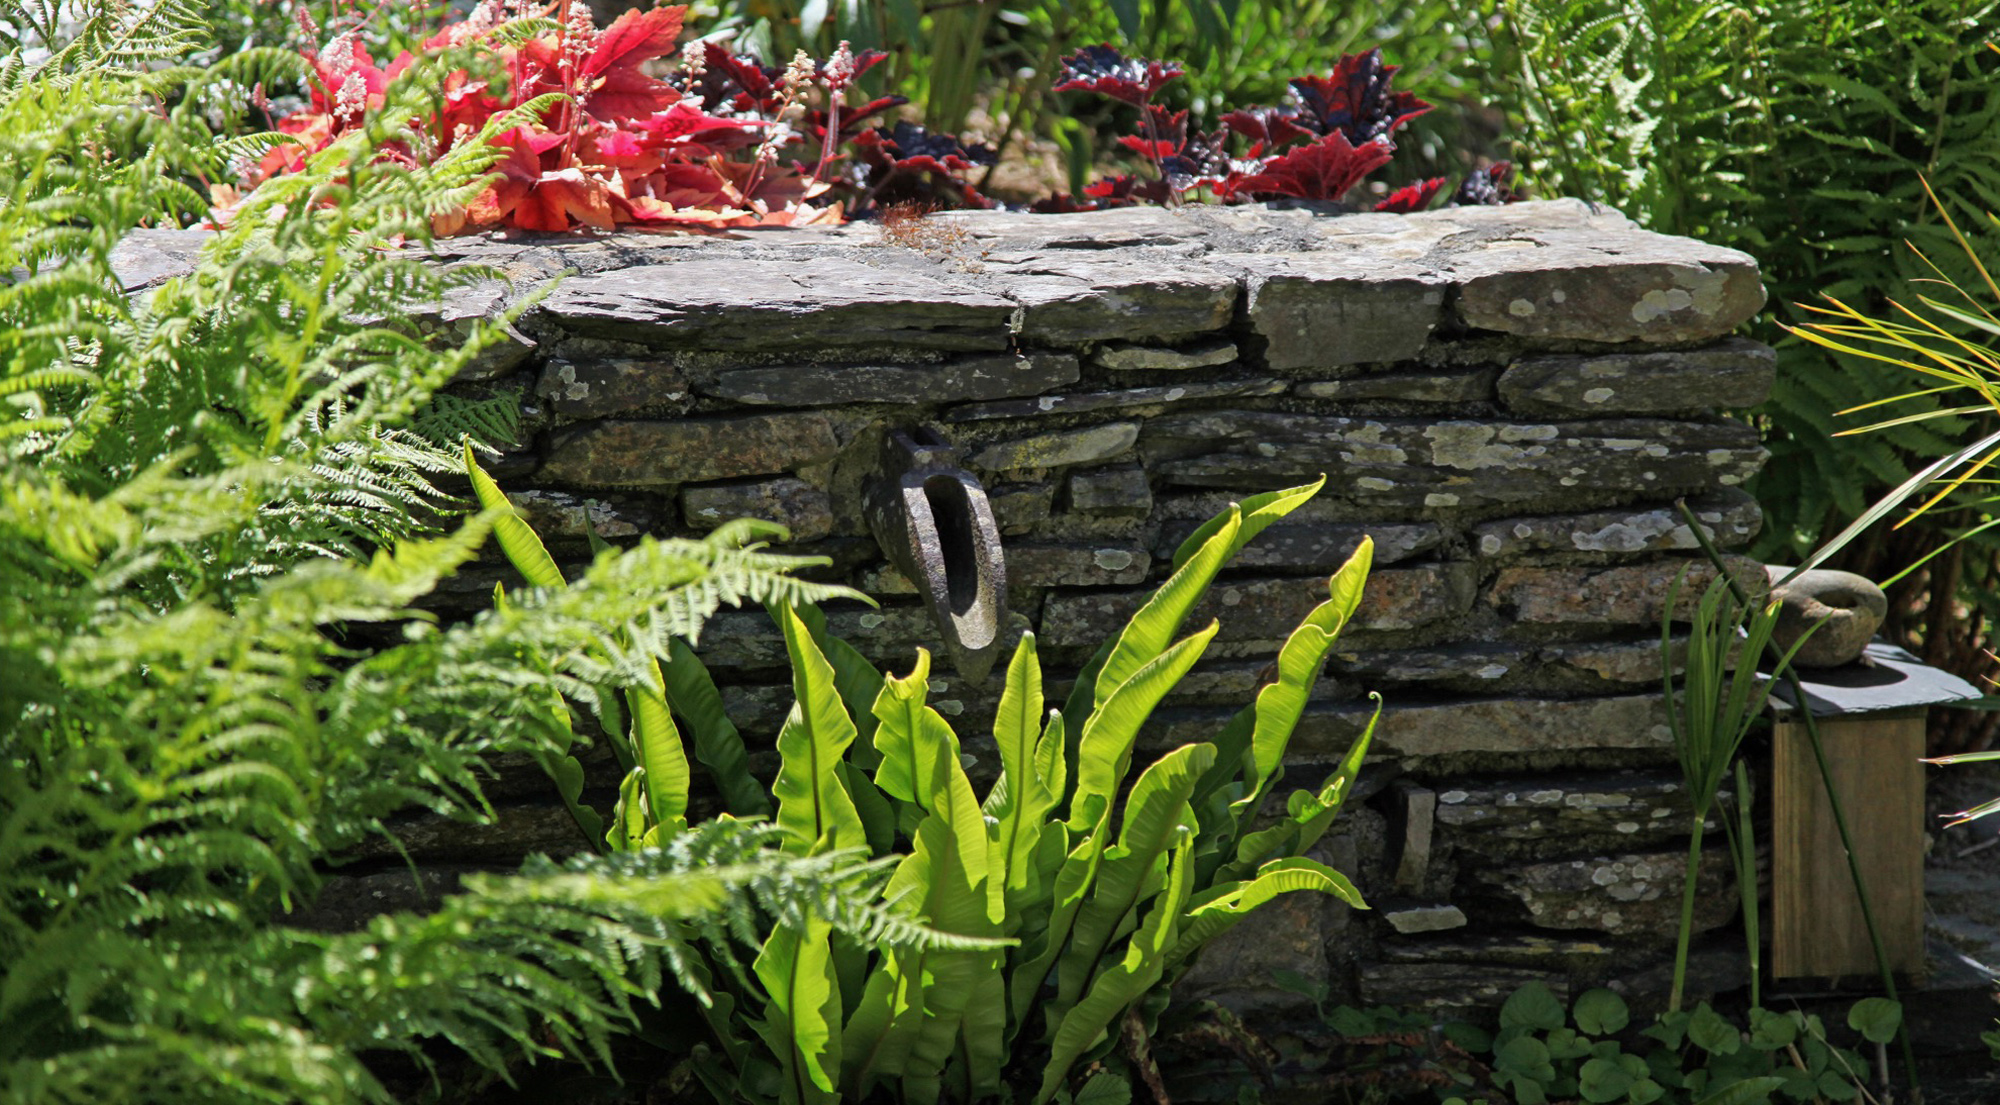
[(1059, 448), (1509, 817), (1602, 282), (1624, 595), (804, 510), (1730, 516), (1731, 374), (1427, 463), (1630, 895), (1325, 311), (612, 386), (1074, 301), (781, 306), (1317, 547)]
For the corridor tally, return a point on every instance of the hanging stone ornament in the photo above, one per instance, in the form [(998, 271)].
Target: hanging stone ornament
[(1847, 608)]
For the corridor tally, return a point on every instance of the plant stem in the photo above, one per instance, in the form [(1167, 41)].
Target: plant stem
[(1687, 914), (1746, 882), (1833, 800)]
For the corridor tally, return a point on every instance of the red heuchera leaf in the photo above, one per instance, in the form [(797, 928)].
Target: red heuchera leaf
[(685, 130), (611, 84), (562, 195), (1103, 70), (626, 148), (1153, 151), (635, 38), (1124, 190), (1163, 139), (1323, 170), (1356, 100), (1411, 198), (1487, 186)]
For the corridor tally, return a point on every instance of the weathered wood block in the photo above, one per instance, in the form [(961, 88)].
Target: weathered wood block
[(1817, 928)]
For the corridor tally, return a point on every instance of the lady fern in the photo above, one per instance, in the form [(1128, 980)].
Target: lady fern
[(205, 489)]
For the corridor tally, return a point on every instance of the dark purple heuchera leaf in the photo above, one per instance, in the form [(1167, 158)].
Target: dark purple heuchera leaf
[(1189, 159), (1266, 126), (733, 82), (1356, 100), (1202, 160), (912, 147), (1487, 186), (1103, 70), (908, 164), (1412, 198), (1323, 170), (853, 119)]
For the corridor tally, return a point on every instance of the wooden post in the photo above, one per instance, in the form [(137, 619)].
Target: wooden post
[(1816, 924)]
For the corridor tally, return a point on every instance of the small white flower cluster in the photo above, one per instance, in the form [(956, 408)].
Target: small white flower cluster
[(797, 79), (338, 53), (840, 68), (351, 98), (579, 34), (694, 60), (484, 16), (799, 76)]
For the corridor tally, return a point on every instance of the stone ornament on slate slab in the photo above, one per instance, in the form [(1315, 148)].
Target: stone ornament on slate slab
[(1846, 609)]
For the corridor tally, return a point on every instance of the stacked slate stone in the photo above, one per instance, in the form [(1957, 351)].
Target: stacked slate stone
[(1507, 399)]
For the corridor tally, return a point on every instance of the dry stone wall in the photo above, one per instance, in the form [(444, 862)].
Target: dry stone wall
[(1507, 399)]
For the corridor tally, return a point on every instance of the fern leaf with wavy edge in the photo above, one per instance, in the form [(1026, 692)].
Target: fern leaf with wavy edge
[(188, 741)]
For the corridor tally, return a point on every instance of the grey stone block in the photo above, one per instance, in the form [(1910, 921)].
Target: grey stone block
[(1269, 609), (1603, 282), (1625, 595), (630, 453), (810, 385), (1316, 312), (1510, 817), (1073, 565), (598, 388), (1465, 386), (1632, 895), (1138, 358), (1418, 463), (805, 510), (1734, 373), (1060, 448), (1730, 516), (1131, 400), (1115, 492), (1072, 301)]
